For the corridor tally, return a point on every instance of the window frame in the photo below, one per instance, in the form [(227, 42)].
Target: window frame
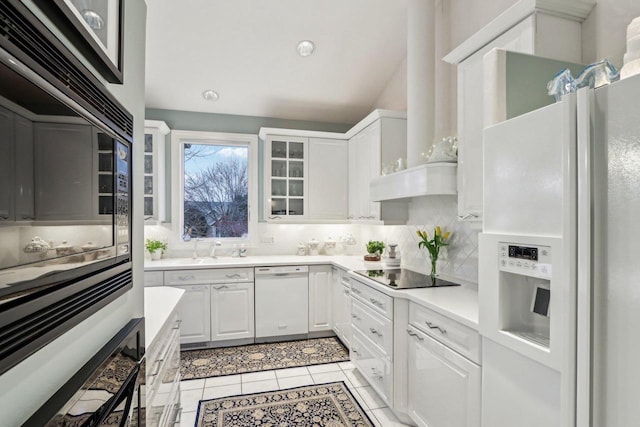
[(178, 139)]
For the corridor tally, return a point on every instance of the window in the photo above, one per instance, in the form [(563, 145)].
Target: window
[(217, 184)]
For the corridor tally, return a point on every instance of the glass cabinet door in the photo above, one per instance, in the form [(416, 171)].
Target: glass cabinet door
[(287, 177)]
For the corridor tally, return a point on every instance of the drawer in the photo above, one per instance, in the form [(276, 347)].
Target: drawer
[(208, 276), (382, 303), (377, 369), (172, 406), (153, 278), (162, 371), (378, 329), (454, 335), (164, 337)]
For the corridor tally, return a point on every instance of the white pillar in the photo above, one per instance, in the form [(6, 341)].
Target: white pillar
[(420, 78)]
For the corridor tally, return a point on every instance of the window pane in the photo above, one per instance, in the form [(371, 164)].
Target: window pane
[(216, 187)]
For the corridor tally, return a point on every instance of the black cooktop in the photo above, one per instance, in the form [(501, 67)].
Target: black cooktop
[(401, 278)]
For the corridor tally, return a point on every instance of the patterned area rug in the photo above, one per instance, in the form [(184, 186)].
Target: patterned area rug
[(330, 405), (217, 362)]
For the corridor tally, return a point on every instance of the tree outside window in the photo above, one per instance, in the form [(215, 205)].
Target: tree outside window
[(216, 190)]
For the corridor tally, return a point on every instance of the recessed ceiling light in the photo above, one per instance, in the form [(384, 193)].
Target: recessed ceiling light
[(93, 19), (210, 95), (305, 48)]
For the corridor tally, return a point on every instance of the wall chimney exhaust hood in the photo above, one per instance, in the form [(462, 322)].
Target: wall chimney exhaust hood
[(429, 179)]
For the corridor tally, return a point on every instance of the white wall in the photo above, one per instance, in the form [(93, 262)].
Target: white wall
[(604, 31), (27, 386), (394, 95)]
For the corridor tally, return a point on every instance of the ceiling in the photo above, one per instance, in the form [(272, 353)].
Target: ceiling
[(246, 51)]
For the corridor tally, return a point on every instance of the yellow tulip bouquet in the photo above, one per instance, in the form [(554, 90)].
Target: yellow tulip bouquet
[(433, 245)]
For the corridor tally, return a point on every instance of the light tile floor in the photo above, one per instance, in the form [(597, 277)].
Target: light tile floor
[(192, 391)]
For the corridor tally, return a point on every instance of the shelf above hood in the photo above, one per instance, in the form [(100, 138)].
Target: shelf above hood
[(423, 180)]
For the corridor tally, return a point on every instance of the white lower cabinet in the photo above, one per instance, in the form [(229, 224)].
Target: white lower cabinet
[(196, 314), (444, 387), (232, 311), (341, 306), (373, 365), (320, 297), (162, 378)]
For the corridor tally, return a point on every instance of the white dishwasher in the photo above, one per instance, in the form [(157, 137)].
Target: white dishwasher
[(281, 301)]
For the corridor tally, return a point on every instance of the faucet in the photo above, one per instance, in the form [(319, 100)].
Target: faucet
[(212, 249)]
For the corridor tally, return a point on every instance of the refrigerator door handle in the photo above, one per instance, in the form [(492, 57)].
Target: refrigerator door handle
[(585, 109)]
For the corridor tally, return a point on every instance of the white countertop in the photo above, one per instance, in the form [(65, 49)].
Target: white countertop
[(159, 302), (457, 302)]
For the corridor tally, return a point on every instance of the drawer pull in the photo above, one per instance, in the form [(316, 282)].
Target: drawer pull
[(355, 351), (376, 302), (346, 292), (282, 326), (357, 291), (178, 417), (157, 365), (183, 278), (355, 316), (375, 332), (178, 323), (376, 374), (413, 334), (346, 280), (434, 326), (232, 276), (217, 288)]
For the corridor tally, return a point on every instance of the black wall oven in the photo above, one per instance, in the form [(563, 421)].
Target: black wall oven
[(65, 188)]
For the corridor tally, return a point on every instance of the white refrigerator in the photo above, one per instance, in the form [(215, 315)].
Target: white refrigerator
[(559, 279)]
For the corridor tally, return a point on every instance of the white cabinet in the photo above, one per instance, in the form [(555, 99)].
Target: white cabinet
[(7, 166), (286, 177), (196, 314), (154, 170), (162, 380), (218, 304), (341, 306), (372, 337), (24, 169), (153, 278), (320, 298), (328, 162), (63, 162), (543, 32), (444, 387), (232, 311), (364, 165), (381, 142)]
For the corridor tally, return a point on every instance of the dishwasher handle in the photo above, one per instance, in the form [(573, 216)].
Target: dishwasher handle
[(282, 271)]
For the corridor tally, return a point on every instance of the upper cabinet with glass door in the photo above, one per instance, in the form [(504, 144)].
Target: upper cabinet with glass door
[(154, 170), (286, 186)]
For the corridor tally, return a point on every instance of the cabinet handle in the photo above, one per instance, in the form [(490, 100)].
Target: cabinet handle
[(375, 332), (467, 216), (376, 302), (434, 326), (376, 374), (413, 334), (357, 291), (28, 217), (354, 316), (355, 351), (275, 217), (183, 278), (178, 416), (217, 288), (178, 323), (3, 217), (157, 363), (232, 276), (346, 292)]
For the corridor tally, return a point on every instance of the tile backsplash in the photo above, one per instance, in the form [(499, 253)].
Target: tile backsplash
[(458, 260)]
